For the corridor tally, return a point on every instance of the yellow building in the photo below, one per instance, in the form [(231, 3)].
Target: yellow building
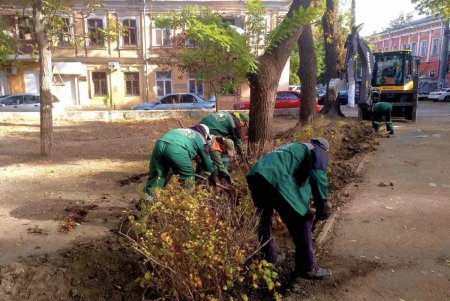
[(123, 71)]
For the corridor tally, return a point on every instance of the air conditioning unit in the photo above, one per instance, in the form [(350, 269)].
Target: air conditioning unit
[(113, 65), (11, 70)]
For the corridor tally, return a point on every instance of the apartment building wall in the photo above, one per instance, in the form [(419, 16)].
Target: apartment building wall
[(423, 37), (96, 74)]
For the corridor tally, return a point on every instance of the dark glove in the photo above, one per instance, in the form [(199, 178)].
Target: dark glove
[(225, 176), (212, 180)]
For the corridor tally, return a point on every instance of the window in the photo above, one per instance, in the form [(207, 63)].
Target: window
[(423, 48), (96, 36), (162, 37), (432, 73), (413, 48), (25, 28), (405, 46), (196, 86), (171, 99), (435, 47), (13, 100), (29, 99), (163, 82), (187, 98), (99, 80), (132, 83), (385, 49), (129, 37), (64, 36)]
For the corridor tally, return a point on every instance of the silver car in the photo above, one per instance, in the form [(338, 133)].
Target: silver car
[(22, 103), (178, 101)]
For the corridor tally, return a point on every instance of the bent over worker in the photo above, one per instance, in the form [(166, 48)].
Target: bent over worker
[(382, 110), (221, 151), (174, 152), (283, 180), (227, 124)]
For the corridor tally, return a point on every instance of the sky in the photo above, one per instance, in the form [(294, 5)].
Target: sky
[(376, 14)]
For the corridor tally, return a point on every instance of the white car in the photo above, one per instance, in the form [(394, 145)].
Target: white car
[(442, 95), (27, 102)]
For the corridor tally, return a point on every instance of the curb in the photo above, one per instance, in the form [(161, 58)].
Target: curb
[(328, 226)]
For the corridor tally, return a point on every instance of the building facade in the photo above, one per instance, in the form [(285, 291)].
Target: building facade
[(424, 38), (123, 71)]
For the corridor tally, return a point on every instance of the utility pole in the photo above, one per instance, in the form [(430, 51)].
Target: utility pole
[(351, 64), (444, 55)]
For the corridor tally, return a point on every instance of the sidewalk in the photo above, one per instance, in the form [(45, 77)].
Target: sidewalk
[(393, 242)]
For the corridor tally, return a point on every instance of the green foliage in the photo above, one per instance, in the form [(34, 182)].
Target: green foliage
[(220, 56), (256, 28), (290, 24), (293, 67), (400, 20), (198, 245), (433, 7), (6, 45)]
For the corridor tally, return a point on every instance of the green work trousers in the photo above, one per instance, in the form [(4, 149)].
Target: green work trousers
[(378, 119), (167, 159)]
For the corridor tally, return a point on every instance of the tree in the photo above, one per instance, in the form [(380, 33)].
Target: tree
[(402, 19), (47, 28), (217, 53), (307, 72), (264, 83), (433, 7), (331, 107), (6, 45)]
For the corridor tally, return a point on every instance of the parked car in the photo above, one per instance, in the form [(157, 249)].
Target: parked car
[(442, 95), (321, 93), (28, 102), (284, 100), (178, 101)]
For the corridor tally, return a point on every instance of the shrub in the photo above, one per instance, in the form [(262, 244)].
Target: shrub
[(199, 245)]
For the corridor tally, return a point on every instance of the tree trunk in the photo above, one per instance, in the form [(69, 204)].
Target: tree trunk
[(331, 106), (307, 71), (46, 77), (264, 84), (444, 55)]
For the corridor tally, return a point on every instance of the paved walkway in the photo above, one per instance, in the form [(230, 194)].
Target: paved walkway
[(402, 231)]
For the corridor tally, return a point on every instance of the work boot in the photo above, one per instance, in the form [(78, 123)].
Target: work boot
[(315, 274)]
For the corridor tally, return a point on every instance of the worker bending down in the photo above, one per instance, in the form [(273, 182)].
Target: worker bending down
[(221, 149), (174, 152), (228, 125), (382, 110), (283, 180)]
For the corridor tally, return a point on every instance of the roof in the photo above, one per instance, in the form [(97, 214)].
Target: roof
[(428, 19)]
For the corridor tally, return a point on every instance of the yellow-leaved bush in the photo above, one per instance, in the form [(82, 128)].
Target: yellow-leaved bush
[(199, 245)]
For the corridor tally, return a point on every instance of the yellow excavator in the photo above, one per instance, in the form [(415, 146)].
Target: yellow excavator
[(385, 77)]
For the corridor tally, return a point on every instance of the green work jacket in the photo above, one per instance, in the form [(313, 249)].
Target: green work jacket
[(193, 142), (222, 124), (382, 107), (289, 169)]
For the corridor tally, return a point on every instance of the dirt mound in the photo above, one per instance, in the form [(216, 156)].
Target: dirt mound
[(131, 179), (101, 270)]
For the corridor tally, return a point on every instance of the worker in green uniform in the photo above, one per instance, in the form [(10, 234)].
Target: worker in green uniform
[(174, 152), (283, 180), (380, 111), (227, 124), (221, 149)]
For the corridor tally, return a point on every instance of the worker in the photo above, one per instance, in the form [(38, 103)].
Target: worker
[(283, 180), (174, 152), (221, 151), (380, 111), (229, 125)]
